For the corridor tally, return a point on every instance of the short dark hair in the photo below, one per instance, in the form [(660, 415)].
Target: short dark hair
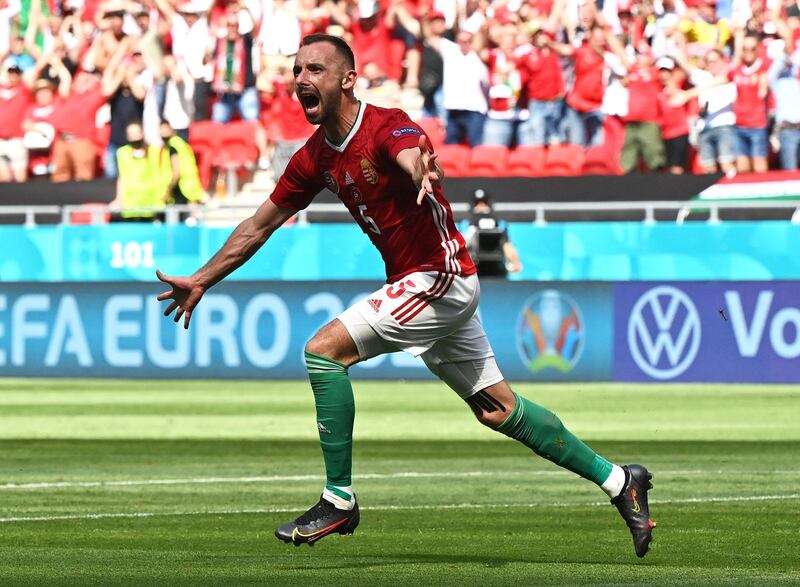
[(342, 48)]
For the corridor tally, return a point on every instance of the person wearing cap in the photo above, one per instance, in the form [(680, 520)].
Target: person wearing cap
[(191, 40), (14, 100), (38, 126), (642, 134), (545, 90), (108, 41), (75, 152), (17, 55), (487, 239), (673, 120)]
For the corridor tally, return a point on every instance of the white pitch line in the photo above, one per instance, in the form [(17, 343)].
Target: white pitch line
[(285, 478), (253, 479), (378, 508)]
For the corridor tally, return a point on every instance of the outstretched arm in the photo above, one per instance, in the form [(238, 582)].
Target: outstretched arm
[(242, 244), (422, 166)]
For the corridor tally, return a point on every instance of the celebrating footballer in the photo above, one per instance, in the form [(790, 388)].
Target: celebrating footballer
[(381, 166)]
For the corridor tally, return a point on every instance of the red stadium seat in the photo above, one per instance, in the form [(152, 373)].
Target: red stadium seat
[(601, 161), (434, 129), (238, 146), (454, 159), (204, 138), (563, 160), (489, 161), (526, 161)]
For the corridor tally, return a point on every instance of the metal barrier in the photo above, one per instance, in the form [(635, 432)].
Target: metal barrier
[(539, 210)]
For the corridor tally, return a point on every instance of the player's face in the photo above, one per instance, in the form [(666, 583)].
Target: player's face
[(321, 77)]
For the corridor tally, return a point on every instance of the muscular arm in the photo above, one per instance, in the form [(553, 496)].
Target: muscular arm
[(243, 243)]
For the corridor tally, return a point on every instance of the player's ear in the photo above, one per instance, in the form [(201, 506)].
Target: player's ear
[(349, 79)]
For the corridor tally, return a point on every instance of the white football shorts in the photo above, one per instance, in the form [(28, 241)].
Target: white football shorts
[(432, 315)]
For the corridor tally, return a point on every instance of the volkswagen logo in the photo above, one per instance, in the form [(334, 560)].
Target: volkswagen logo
[(664, 332)]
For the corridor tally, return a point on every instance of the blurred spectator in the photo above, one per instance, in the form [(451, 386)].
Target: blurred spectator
[(14, 100), (750, 107), (784, 79), (642, 134), (191, 41), (716, 95), (545, 90), (17, 55), (107, 43), (279, 35), (431, 73), (141, 183), (38, 125), (9, 9), (234, 79), (126, 82), (285, 121), (75, 152), (505, 86), (464, 87), (673, 119), (583, 120), (179, 169), (702, 30)]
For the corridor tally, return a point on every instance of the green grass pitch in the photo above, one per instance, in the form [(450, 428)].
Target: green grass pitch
[(171, 483)]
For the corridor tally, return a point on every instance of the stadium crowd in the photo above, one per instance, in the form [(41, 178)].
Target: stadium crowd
[(653, 80)]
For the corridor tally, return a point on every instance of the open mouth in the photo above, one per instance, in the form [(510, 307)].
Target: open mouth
[(310, 103)]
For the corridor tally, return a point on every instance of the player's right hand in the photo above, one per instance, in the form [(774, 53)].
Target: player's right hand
[(185, 294), (428, 173)]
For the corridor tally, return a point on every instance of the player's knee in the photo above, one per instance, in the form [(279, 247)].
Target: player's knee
[(318, 346), (491, 409)]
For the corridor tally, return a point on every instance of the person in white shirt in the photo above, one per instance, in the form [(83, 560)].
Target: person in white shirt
[(716, 95), (464, 88)]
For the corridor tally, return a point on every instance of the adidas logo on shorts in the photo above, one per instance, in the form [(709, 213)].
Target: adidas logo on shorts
[(376, 304)]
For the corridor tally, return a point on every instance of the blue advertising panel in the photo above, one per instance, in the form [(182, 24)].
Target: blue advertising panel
[(258, 330), (714, 331), (584, 251)]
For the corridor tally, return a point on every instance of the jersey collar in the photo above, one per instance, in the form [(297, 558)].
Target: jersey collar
[(340, 148)]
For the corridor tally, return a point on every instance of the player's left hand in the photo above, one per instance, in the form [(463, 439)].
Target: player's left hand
[(428, 173)]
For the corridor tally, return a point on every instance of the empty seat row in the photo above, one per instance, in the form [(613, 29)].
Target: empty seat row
[(527, 161)]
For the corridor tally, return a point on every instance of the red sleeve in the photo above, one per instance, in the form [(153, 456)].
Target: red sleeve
[(298, 185), (397, 133)]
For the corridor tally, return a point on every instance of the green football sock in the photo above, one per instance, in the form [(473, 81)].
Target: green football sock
[(333, 396), (541, 430)]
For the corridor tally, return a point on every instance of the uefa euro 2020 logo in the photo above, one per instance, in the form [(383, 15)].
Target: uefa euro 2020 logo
[(550, 332)]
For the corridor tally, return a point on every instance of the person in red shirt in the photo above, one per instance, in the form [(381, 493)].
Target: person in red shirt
[(642, 134), (378, 162), (74, 150), (545, 89), (14, 101), (750, 107), (673, 119), (583, 121)]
